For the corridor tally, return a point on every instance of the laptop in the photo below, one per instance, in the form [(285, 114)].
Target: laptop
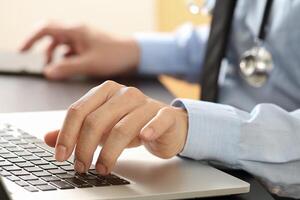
[(29, 170)]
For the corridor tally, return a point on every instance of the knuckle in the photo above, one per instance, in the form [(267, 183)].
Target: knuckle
[(90, 122), (74, 109), (119, 131), (109, 84), (166, 111), (166, 115), (133, 93)]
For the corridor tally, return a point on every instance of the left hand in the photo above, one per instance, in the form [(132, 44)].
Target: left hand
[(117, 117)]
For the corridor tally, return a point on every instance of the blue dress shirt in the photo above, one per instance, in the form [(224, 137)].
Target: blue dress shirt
[(254, 129)]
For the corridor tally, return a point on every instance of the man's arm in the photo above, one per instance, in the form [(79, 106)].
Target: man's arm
[(264, 142), (180, 53)]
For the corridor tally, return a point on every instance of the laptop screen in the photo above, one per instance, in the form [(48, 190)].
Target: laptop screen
[(3, 192)]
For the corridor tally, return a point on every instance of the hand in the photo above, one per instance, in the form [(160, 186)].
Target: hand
[(90, 52), (117, 117)]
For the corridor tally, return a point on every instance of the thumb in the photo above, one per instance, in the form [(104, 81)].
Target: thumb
[(65, 68), (51, 137)]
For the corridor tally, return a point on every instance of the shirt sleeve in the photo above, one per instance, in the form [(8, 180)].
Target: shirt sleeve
[(264, 142), (179, 53)]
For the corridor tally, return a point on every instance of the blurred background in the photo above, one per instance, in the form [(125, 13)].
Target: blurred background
[(19, 17)]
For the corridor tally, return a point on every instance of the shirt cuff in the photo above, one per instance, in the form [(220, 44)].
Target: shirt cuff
[(213, 132)]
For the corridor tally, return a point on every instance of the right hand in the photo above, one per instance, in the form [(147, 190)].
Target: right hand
[(90, 52)]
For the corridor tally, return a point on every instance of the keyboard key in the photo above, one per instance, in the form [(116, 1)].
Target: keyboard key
[(31, 158), (27, 146), (28, 177), (33, 169), (115, 180), (7, 145), (86, 176), (43, 154), (23, 153), (16, 160), (12, 138), (24, 136), (93, 171), (3, 151), (33, 140), (31, 189), (78, 183), (42, 173), (57, 171), (20, 173), (73, 173), (22, 183), (37, 182), (61, 163), (46, 187), (64, 176), (50, 159), (48, 167), (25, 164), (62, 185), (20, 142), (5, 163), (45, 147), (15, 150), (4, 173), (13, 178), (50, 178), (97, 182), (8, 155), (40, 162), (68, 168), (118, 181), (36, 150), (11, 168)]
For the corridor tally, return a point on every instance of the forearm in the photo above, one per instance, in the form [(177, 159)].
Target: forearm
[(264, 142), (179, 53)]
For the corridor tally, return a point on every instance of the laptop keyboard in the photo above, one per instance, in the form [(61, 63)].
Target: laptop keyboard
[(30, 163)]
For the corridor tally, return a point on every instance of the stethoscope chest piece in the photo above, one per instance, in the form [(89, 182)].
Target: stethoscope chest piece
[(256, 65)]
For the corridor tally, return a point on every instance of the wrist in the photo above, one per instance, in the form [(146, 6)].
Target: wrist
[(130, 53)]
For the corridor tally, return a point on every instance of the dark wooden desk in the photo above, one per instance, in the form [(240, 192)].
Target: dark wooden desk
[(28, 93)]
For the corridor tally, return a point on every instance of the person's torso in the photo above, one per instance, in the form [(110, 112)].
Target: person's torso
[(282, 40)]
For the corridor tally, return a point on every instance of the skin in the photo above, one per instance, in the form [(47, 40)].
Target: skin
[(89, 52), (111, 115)]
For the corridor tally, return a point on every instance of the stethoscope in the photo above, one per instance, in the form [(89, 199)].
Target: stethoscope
[(256, 63)]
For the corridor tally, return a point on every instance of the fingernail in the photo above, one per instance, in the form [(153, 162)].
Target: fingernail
[(148, 133), (101, 169), (79, 166), (60, 152)]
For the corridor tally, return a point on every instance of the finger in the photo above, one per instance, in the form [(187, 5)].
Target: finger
[(51, 137), (52, 30), (66, 68), (76, 114), (51, 48), (123, 134), (161, 123), (69, 53), (99, 122)]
